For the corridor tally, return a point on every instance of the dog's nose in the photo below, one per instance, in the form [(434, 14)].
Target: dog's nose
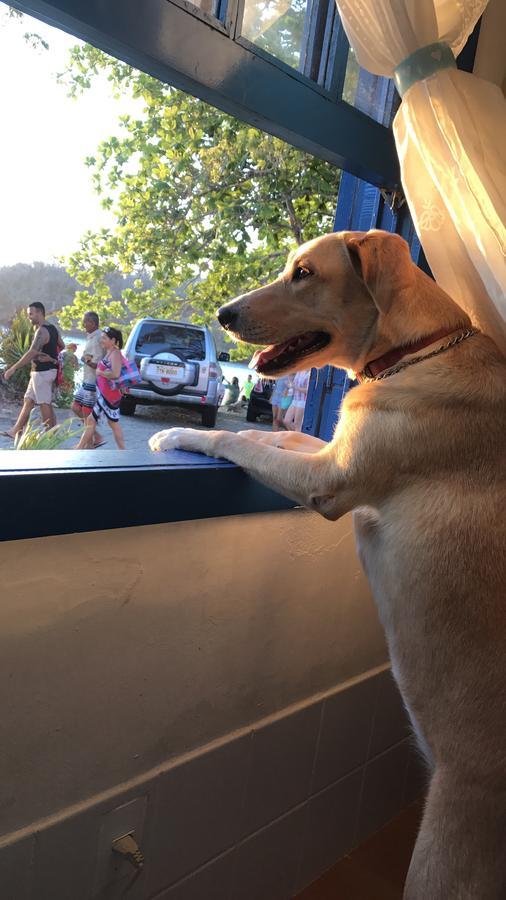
[(226, 316)]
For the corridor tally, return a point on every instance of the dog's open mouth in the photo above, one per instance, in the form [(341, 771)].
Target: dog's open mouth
[(277, 357)]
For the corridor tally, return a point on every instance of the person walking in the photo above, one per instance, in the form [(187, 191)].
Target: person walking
[(108, 394), (86, 394), (295, 413), (282, 389), (286, 399), (43, 359)]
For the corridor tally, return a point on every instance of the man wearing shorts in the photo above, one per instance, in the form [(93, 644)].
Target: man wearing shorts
[(86, 395), (43, 357)]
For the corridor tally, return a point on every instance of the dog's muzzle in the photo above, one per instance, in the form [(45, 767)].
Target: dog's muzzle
[(227, 317)]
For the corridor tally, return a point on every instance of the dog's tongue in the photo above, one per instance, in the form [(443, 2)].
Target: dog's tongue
[(260, 357)]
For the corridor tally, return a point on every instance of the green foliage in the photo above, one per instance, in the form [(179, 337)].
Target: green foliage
[(64, 397), (207, 206), (36, 437), (65, 391), (351, 78), (31, 37), (278, 27), (14, 344), (68, 368)]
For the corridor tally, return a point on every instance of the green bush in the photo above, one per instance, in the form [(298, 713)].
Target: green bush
[(36, 437), (13, 344), (64, 397), (65, 392)]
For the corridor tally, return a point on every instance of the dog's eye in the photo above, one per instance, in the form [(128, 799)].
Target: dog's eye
[(300, 273)]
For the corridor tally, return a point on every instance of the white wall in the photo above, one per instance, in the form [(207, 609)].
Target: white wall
[(121, 649)]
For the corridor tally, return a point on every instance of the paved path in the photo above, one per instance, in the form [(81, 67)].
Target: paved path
[(138, 429)]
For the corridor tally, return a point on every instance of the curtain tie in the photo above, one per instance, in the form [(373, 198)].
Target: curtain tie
[(422, 64)]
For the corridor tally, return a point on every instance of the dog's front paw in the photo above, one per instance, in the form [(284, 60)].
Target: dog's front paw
[(184, 439), (171, 439)]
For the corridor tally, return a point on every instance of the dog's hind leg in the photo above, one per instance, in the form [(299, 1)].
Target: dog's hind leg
[(460, 852)]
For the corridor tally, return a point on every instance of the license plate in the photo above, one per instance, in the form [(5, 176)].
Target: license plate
[(168, 371)]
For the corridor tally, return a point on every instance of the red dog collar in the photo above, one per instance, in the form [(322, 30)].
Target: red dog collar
[(376, 366)]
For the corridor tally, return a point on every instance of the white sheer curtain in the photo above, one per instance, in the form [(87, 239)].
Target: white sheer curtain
[(450, 132)]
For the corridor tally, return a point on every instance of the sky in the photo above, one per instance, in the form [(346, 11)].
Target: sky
[(46, 196)]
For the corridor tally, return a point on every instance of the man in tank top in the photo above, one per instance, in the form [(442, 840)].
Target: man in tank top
[(43, 358)]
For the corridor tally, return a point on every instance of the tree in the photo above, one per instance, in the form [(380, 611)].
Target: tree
[(278, 27), (23, 283), (201, 200), (31, 37)]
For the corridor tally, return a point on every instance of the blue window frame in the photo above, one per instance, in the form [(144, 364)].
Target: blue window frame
[(173, 41)]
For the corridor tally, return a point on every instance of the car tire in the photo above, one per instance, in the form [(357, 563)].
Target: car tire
[(209, 414), (127, 406), (250, 415), (176, 388)]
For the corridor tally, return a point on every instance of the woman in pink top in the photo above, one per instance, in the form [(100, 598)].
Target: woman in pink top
[(295, 412), (108, 394)]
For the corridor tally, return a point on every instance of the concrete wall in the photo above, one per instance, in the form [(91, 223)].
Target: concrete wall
[(122, 652)]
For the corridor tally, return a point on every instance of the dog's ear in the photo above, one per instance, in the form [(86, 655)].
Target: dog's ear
[(383, 262)]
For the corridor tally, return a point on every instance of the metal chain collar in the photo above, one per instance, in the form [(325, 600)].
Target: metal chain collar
[(411, 362)]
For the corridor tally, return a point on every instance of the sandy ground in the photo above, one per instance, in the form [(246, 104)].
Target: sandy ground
[(137, 429)]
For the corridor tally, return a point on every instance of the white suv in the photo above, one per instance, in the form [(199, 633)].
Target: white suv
[(178, 364)]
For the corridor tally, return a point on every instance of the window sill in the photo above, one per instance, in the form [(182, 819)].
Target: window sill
[(68, 491)]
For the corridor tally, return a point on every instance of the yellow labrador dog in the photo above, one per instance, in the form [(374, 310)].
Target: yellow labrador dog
[(419, 456)]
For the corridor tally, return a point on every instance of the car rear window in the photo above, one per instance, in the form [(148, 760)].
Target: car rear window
[(155, 337)]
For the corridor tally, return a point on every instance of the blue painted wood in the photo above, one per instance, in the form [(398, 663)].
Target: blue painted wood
[(327, 389), (85, 460), (334, 52), (321, 45), (150, 488), (179, 48)]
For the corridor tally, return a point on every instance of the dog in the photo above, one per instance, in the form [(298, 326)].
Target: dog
[(419, 456)]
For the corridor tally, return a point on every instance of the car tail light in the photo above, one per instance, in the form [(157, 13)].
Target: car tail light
[(213, 370)]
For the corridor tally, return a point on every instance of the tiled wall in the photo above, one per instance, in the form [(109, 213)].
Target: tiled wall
[(254, 817)]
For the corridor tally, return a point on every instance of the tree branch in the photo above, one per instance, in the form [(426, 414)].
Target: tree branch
[(294, 222)]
